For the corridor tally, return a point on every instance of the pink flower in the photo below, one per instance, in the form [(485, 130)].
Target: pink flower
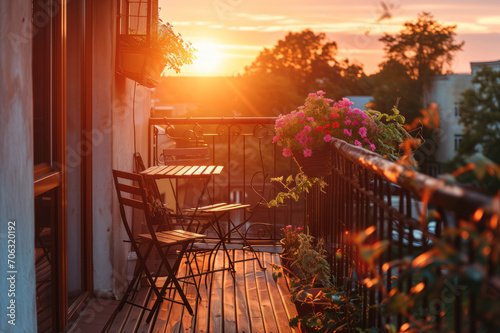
[(367, 141), (357, 143), (310, 118), (372, 146), (287, 152), (364, 123), (301, 114), (328, 100), (347, 132), (307, 128), (312, 95), (320, 92), (301, 107), (362, 132), (276, 138), (327, 138), (347, 122), (307, 152)]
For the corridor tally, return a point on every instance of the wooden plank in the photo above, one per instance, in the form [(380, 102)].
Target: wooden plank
[(187, 234), (156, 170), (217, 297), (208, 171), (256, 322), (188, 321), (229, 306), (200, 170), (277, 305), (284, 293), (264, 297), (191, 170), (202, 311), (148, 170), (173, 171), (165, 170), (242, 318), (182, 171), (174, 323), (218, 170), (162, 316)]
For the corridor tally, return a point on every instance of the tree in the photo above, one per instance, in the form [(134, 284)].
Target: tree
[(480, 115), (393, 85), (302, 56), (425, 48), (302, 62)]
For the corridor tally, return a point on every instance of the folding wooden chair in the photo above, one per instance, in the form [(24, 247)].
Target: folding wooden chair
[(158, 238)]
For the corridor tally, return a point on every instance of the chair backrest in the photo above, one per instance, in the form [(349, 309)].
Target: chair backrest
[(129, 186), (186, 156), (151, 186)]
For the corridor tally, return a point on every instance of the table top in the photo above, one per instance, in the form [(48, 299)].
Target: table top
[(182, 171)]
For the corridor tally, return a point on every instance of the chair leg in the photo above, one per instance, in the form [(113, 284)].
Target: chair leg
[(171, 279)]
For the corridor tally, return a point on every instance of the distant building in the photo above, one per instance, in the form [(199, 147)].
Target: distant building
[(360, 101), (446, 91)]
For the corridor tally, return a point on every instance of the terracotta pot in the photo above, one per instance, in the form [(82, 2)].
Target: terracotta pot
[(311, 307), (318, 164)]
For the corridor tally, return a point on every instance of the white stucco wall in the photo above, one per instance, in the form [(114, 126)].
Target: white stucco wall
[(446, 90), (16, 164), (113, 100)]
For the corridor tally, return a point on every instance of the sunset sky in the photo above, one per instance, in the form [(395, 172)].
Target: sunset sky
[(230, 33)]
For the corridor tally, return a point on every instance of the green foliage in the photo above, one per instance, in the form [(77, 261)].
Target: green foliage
[(424, 47), (295, 188), (342, 312), (480, 115), (392, 85), (303, 61), (312, 268), (175, 51)]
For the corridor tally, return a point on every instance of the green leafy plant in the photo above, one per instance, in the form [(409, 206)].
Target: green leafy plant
[(341, 311), (294, 188)]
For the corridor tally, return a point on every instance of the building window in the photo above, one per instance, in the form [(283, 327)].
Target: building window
[(458, 141), (457, 110)]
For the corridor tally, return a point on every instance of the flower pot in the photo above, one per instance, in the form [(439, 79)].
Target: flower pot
[(305, 308), (140, 64), (318, 164), (309, 308)]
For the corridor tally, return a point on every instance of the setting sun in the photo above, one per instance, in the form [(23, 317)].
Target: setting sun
[(207, 58)]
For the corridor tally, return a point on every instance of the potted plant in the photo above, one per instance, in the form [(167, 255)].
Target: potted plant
[(290, 243), (143, 59), (306, 133)]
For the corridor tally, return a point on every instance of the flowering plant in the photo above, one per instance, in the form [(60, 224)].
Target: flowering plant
[(319, 120), (290, 240)]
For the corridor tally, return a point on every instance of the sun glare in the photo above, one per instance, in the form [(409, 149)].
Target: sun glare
[(207, 58)]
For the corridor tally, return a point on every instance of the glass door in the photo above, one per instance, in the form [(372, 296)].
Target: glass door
[(62, 158)]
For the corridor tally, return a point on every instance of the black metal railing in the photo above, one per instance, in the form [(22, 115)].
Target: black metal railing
[(366, 190), (243, 145)]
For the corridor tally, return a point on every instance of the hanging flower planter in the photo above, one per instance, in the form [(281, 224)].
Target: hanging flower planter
[(145, 46), (318, 164), (140, 64)]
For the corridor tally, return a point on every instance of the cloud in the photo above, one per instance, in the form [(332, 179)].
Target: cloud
[(489, 20)]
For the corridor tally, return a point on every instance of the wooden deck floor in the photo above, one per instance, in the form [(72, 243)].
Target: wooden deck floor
[(252, 302)]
